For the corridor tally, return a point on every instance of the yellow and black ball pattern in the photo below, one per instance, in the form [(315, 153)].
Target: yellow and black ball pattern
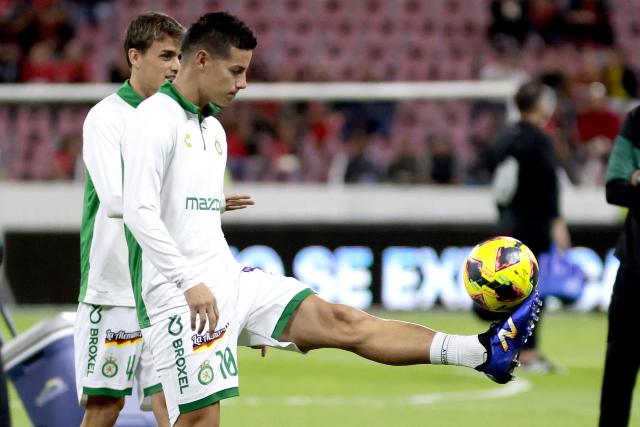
[(500, 273)]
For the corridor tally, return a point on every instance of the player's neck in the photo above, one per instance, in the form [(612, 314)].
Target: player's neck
[(143, 90), (187, 89), (531, 118)]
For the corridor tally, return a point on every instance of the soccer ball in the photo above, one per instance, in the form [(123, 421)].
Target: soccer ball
[(500, 273)]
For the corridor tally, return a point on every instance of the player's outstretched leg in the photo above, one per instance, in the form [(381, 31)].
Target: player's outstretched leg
[(319, 324), (505, 339)]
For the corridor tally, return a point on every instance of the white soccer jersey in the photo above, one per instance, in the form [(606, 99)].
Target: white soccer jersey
[(174, 162), (104, 268)]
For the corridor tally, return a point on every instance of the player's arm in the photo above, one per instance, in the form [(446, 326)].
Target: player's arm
[(147, 150), (234, 202), (623, 176), (101, 134), (622, 184)]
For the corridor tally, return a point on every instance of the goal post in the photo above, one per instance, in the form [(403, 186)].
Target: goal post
[(41, 93)]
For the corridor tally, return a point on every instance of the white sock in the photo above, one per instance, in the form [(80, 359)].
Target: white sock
[(462, 350)]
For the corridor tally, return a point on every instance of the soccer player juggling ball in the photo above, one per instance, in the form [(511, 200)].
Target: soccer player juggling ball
[(109, 348), (194, 300)]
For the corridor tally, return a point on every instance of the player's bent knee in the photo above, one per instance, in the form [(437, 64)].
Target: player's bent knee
[(105, 403), (102, 410)]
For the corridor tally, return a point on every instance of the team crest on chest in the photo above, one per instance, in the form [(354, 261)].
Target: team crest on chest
[(218, 147), (187, 137)]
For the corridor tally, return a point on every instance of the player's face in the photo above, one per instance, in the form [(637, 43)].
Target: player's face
[(161, 61), (225, 77)]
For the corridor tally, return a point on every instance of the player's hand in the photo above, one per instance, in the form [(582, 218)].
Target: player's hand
[(202, 303), (262, 348), (237, 201)]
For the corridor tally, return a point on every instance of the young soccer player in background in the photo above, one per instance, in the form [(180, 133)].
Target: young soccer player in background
[(109, 350)]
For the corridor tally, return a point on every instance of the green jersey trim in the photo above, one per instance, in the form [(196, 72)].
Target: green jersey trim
[(170, 90), (90, 206), (619, 165), (135, 269), (209, 400), (152, 390), (90, 391), (288, 312), (129, 95)]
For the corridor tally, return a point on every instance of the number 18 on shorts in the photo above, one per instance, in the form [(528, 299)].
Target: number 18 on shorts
[(196, 370)]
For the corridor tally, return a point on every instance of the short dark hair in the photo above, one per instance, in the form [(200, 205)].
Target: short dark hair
[(216, 33), (528, 96), (148, 28)]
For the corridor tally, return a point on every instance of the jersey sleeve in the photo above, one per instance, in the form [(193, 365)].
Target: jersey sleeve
[(101, 134), (147, 150), (621, 166), (631, 127)]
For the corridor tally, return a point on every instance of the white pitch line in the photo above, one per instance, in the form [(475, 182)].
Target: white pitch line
[(511, 389), (508, 390)]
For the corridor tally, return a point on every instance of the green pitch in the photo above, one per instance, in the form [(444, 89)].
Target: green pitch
[(333, 388)]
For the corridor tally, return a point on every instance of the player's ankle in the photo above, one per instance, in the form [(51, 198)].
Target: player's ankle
[(461, 350)]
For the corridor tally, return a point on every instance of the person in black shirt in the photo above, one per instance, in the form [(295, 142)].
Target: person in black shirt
[(622, 363), (528, 201)]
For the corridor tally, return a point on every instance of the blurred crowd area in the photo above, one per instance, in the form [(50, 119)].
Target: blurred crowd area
[(585, 49)]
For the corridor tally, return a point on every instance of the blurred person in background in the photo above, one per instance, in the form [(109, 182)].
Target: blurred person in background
[(444, 164), (508, 20), (622, 362), (484, 127), (596, 128), (528, 194), (588, 70), (619, 78), (506, 63), (9, 55), (73, 65), (39, 65), (545, 18), (362, 166), (66, 157), (411, 165), (588, 22), (561, 125)]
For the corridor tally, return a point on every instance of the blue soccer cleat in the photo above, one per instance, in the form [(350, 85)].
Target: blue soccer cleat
[(505, 339)]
